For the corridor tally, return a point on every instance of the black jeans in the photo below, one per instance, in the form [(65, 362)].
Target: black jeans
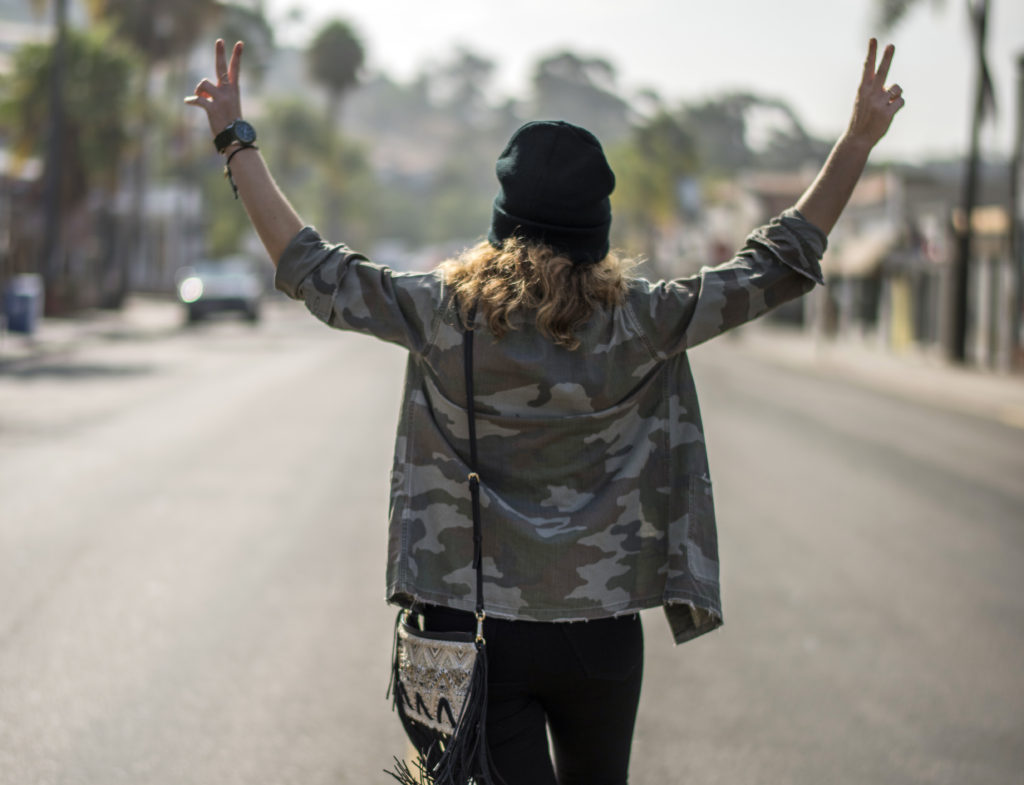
[(581, 680)]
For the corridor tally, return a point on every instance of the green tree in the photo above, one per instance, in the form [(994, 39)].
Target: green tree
[(159, 31), (243, 23), (298, 139), (335, 59), (889, 13), (650, 170), (462, 86), (720, 130), (95, 110), (581, 90)]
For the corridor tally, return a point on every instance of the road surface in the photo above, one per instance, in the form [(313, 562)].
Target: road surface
[(192, 533)]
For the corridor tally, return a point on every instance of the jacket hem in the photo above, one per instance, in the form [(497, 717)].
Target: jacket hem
[(688, 617), (406, 599)]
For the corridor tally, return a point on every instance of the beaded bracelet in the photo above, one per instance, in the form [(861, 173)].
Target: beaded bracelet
[(227, 165)]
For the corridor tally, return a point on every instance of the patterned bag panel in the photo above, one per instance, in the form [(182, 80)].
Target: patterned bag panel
[(433, 676)]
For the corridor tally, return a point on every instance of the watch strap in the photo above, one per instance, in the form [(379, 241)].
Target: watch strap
[(222, 140)]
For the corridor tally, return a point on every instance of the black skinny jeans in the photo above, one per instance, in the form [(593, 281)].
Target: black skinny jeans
[(580, 679)]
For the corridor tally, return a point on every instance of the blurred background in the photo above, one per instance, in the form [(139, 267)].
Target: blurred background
[(194, 473), (382, 125)]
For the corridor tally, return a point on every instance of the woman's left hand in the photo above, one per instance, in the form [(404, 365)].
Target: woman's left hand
[(221, 101), (875, 105), (873, 111)]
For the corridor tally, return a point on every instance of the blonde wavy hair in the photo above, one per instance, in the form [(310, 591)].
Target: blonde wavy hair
[(524, 277)]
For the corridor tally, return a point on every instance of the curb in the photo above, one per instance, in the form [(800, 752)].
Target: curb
[(142, 317), (918, 377)]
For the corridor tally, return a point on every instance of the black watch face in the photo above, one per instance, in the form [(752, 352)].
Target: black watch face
[(244, 132)]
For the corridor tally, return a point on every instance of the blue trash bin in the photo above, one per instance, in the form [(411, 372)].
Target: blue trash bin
[(23, 303)]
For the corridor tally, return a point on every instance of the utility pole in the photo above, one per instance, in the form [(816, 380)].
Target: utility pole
[(53, 245), (1017, 223), (983, 100)]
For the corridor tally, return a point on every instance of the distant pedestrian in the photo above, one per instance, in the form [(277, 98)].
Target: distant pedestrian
[(594, 482)]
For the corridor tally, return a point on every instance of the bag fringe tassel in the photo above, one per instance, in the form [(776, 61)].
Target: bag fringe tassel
[(463, 757)]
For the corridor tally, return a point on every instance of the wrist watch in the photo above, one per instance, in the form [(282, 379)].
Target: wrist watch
[(239, 131)]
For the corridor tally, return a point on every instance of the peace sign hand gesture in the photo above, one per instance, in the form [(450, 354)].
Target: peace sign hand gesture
[(875, 105), (823, 202), (274, 219), (222, 101)]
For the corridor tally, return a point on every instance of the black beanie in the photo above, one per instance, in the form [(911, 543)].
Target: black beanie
[(554, 187)]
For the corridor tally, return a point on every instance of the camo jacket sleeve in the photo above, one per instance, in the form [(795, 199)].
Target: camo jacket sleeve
[(343, 289), (778, 262)]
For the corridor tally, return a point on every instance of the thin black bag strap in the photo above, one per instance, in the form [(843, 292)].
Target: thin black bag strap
[(474, 478)]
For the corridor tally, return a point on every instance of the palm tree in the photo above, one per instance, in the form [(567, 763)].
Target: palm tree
[(335, 59), (159, 31), (243, 23), (889, 13)]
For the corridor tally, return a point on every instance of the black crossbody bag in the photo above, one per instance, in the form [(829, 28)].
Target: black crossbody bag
[(439, 679)]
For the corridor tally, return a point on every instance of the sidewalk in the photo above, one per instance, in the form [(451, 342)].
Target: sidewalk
[(915, 376), (143, 316)]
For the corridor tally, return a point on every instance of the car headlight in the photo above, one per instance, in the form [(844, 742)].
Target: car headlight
[(190, 290)]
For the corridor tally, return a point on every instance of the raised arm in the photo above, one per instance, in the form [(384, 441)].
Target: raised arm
[(273, 217), (873, 111)]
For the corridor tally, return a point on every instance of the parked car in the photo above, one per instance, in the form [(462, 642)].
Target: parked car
[(233, 284)]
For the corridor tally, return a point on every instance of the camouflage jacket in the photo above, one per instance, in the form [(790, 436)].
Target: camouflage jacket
[(594, 475)]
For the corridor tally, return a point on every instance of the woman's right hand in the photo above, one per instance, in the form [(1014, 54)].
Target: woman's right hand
[(221, 101), (273, 217)]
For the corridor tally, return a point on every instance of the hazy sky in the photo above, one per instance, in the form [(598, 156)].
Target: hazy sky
[(808, 52)]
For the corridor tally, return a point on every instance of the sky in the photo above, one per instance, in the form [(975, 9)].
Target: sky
[(808, 52)]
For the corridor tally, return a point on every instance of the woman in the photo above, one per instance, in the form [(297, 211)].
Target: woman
[(595, 486)]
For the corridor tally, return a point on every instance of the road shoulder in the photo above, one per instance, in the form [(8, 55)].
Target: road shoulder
[(914, 376)]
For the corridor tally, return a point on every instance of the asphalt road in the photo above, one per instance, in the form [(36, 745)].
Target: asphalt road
[(191, 565)]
